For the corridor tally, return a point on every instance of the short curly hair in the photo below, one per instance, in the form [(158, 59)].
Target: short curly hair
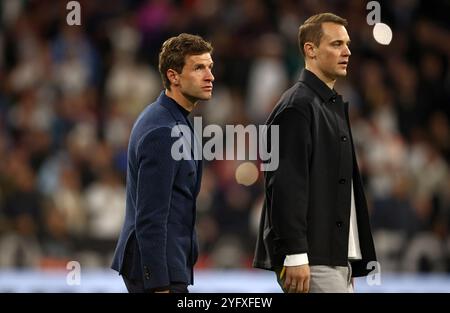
[(174, 51)]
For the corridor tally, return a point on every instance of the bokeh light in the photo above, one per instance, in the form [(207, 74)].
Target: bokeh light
[(246, 174), (382, 33)]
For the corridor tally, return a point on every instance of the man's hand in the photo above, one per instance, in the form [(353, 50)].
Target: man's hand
[(297, 279), (163, 291)]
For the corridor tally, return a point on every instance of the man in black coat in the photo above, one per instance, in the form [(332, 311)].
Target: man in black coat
[(157, 248), (314, 231)]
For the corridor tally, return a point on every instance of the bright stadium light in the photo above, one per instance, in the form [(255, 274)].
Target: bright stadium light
[(382, 33)]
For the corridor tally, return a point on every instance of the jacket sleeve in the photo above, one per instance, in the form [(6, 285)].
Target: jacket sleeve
[(290, 182), (156, 174)]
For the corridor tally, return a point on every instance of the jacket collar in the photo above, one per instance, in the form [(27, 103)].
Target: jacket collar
[(176, 110), (314, 82)]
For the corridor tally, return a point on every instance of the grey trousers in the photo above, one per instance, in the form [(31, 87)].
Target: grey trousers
[(327, 279)]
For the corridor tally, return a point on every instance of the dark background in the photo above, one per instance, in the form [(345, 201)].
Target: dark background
[(70, 94)]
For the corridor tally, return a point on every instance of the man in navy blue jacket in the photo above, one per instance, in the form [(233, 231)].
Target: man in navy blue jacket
[(157, 248)]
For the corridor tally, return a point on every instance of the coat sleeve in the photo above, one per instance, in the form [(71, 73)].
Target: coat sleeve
[(156, 174), (290, 182)]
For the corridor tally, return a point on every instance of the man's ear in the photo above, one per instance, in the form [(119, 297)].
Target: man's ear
[(310, 50), (173, 76)]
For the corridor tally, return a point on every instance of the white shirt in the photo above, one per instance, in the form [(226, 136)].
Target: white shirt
[(354, 251)]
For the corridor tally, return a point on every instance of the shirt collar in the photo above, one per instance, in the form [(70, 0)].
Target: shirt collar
[(172, 105), (182, 110), (314, 82)]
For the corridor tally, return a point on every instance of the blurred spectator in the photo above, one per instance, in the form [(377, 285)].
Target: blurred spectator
[(104, 203), (70, 94), (268, 78)]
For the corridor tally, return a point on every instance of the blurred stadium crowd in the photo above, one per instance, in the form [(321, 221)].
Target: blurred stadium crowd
[(69, 96)]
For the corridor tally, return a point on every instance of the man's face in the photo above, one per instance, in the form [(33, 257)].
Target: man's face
[(196, 78), (333, 52)]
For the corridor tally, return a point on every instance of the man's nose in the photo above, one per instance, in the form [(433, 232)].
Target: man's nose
[(209, 75), (347, 51)]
